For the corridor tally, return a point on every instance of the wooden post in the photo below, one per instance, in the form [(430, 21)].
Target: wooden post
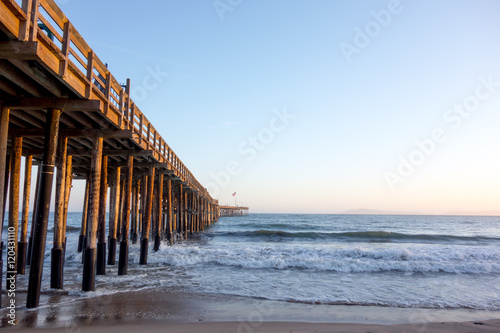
[(186, 207), (35, 208), (89, 262), (143, 201), (191, 205), (13, 230), (180, 211), (4, 130), (56, 255), (123, 259), (146, 222), (159, 218), (119, 227), (67, 192), (42, 212), (22, 246), (83, 229), (101, 232), (114, 215), (169, 211), (135, 210)]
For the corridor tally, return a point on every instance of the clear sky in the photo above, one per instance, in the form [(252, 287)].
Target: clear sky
[(316, 106)]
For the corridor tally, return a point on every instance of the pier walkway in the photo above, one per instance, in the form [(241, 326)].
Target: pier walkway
[(64, 111)]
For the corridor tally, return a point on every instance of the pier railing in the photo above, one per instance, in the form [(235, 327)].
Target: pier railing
[(45, 34)]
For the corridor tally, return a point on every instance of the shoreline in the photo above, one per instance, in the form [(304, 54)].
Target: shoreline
[(183, 311)]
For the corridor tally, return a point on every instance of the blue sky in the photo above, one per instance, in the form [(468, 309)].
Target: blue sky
[(351, 119)]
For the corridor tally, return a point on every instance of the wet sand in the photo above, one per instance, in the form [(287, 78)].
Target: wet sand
[(177, 311)]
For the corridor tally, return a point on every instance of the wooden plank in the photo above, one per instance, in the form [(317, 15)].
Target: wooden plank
[(9, 23), (65, 104), (54, 12), (76, 133), (39, 76)]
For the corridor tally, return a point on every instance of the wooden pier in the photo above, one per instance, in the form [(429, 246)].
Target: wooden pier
[(232, 211), (64, 111)]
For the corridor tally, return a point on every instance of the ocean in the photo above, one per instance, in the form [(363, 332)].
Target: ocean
[(405, 261)]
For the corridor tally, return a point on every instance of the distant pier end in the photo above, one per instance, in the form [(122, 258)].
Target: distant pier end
[(233, 211)]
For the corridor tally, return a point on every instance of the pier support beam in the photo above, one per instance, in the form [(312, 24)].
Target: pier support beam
[(42, 214), (15, 178), (159, 218), (101, 229), (89, 261), (114, 214), (186, 215), (180, 211), (4, 130), (35, 209), (135, 217), (67, 192), (83, 229), (123, 259), (56, 255), (169, 211), (22, 246), (146, 221)]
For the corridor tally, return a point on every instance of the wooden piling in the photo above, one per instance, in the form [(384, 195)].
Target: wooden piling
[(42, 214), (89, 263), (186, 215), (123, 259), (56, 255), (83, 228), (136, 190), (146, 222), (101, 231), (67, 193), (159, 211), (35, 209), (15, 177), (22, 246), (169, 211), (180, 211), (119, 227), (4, 130), (4, 174), (114, 216)]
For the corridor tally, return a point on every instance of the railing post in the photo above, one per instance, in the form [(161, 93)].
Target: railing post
[(120, 121), (127, 104), (65, 49), (90, 71), (33, 22)]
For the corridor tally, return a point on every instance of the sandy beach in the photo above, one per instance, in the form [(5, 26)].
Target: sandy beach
[(155, 310)]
